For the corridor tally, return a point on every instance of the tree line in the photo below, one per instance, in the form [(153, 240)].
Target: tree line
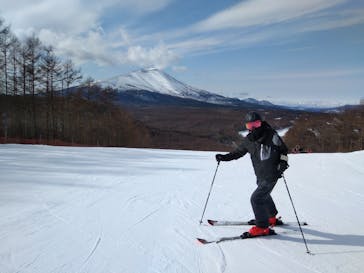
[(329, 132), (38, 101), (29, 67)]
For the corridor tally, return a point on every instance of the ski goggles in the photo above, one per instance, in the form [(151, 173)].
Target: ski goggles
[(253, 124)]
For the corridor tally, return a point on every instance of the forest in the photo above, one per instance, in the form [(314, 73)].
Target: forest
[(38, 104), (329, 132)]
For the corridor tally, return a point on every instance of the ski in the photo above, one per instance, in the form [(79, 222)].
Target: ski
[(230, 223), (219, 240), (248, 223), (245, 235)]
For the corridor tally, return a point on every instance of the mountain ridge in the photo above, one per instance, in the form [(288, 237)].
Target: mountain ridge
[(154, 80), (144, 86)]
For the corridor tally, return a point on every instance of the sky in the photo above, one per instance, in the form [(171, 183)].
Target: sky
[(284, 51)]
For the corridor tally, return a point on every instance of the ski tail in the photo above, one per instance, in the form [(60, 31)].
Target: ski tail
[(230, 223)]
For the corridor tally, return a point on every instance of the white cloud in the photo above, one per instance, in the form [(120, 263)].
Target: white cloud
[(159, 56), (109, 48), (253, 22), (143, 6), (73, 27), (193, 44), (263, 12), (332, 21), (69, 16), (90, 46), (57, 16)]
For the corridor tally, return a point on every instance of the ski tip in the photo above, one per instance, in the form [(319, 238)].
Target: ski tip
[(281, 223), (211, 222), (201, 241)]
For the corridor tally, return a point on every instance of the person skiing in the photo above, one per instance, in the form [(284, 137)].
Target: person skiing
[(268, 154)]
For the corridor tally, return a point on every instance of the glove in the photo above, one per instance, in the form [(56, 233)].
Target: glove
[(219, 157), (282, 165)]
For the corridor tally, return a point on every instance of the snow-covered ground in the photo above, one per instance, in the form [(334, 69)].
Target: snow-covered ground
[(116, 210)]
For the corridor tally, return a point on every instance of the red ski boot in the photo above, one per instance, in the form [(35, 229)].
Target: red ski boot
[(273, 221), (258, 231)]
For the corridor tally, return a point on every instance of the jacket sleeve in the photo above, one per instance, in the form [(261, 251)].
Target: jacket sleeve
[(239, 152), (277, 140)]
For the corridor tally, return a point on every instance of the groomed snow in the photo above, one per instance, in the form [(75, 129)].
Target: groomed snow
[(116, 210)]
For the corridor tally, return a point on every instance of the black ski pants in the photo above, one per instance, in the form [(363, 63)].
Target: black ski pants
[(262, 202)]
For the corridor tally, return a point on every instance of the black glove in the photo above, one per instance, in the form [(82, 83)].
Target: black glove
[(219, 157), (282, 166)]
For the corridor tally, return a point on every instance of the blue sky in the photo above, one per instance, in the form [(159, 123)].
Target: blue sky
[(283, 50)]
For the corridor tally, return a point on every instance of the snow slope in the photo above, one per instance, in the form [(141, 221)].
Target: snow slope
[(116, 210)]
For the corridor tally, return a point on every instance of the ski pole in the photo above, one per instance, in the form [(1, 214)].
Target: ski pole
[(298, 221), (212, 183)]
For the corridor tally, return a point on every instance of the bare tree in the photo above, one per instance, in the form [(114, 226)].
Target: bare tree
[(51, 77), (15, 63), (5, 43), (70, 74), (33, 51), (30, 62), (2, 76)]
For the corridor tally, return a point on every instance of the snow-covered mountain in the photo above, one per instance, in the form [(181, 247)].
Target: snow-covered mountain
[(156, 81), (154, 86)]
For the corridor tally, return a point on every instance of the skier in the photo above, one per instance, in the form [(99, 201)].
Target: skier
[(269, 157)]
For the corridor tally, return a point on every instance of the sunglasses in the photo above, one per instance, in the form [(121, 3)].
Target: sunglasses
[(253, 124)]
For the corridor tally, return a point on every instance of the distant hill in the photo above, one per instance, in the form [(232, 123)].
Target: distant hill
[(329, 132)]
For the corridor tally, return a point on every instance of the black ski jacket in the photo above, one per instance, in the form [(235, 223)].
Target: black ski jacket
[(265, 147)]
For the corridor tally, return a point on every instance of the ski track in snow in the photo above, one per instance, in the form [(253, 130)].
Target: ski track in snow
[(92, 251), (137, 210)]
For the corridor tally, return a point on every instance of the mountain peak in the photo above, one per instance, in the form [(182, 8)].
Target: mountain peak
[(155, 80)]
